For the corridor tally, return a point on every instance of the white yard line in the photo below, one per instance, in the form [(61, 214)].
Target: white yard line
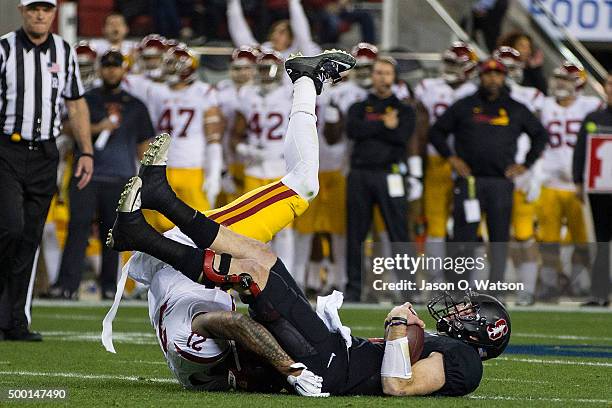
[(558, 362), (545, 399), (90, 376)]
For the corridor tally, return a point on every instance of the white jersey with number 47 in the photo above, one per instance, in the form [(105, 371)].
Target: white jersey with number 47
[(437, 95), (181, 113), (267, 118), (563, 124)]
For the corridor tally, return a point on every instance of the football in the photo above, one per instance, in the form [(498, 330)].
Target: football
[(416, 338)]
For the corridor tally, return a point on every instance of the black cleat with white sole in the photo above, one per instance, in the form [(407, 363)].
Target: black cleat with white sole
[(130, 229), (325, 67)]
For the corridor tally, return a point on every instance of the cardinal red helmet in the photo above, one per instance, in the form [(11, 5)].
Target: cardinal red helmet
[(86, 58), (511, 58), (150, 52), (459, 62), (244, 56), (365, 53), (568, 79), (269, 68), (180, 64)]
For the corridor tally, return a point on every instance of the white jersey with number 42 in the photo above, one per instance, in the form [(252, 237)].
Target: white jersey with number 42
[(181, 113), (437, 95), (563, 124), (267, 118)]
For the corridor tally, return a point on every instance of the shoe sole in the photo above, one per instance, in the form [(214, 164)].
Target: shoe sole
[(339, 56), (157, 153)]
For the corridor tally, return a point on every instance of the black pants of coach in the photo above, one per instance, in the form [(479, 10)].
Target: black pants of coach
[(495, 196), (365, 188), (601, 208), (96, 201), (28, 173)]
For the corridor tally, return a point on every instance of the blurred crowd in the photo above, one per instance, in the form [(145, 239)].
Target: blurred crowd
[(228, 140)]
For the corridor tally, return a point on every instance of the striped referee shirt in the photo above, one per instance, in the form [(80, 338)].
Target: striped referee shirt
[(34, 80)]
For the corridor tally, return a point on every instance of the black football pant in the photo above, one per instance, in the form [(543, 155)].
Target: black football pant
[(97, 198), (601, 208), (365, 188), (28, 173), (495, 195)]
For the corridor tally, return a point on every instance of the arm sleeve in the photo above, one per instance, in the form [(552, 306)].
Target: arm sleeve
[(440, 130), (301, 29), (238, 27), (579, 158), (357, 128), (538, 135), (74, 87)]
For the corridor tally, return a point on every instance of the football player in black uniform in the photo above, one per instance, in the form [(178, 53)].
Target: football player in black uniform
[(470, 330)]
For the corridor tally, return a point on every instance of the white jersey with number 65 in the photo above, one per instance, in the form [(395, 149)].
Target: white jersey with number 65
[(563, 124)]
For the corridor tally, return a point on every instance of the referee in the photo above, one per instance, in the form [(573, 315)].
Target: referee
[(38, 73)]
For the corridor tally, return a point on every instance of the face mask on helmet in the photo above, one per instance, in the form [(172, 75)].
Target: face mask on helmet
[(453, 72), (152, 66), (269, 75), (562, 87), (362, 75), (515, 73), (478, 320)]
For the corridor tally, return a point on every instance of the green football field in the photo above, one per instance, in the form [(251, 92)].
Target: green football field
[(556, 358)]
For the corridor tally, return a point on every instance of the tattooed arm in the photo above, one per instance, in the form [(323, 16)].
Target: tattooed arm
[(248, 333)]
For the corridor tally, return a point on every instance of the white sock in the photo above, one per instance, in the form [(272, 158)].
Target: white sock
[(51, 252), (548, 276), (301, 147), (304, 97), (313, 281), (528, 274), (303, 248), (337, 271)]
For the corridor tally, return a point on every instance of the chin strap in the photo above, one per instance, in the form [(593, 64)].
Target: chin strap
[(211, 278)]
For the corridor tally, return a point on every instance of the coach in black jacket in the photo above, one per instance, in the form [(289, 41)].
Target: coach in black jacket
[(487, 126), (380, 128), (601, 203)]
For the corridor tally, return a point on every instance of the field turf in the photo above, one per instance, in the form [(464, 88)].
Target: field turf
[(556, 358)]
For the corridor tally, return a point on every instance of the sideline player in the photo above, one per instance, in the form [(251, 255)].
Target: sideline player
[(187, 109), (242, 72), (434, 96), (174, 301), (524, 249), (562, 115), (260, 127)]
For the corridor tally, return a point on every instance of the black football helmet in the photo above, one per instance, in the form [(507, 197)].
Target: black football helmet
[(478, 320)]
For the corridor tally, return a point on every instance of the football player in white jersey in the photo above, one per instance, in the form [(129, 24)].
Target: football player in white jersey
[(562, 115), (242, 72), (524, 251), (434, 96), (259, 127), (188, 109), (87, 60), (286, 36), (195, 325)]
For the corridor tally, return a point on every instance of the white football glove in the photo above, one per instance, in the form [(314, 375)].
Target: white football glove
[(212, 188), (251, 154), (307, 384), (228, 184)]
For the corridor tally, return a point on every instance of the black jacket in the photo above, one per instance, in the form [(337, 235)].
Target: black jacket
[(601, 118), (486, 133), (375, 146)]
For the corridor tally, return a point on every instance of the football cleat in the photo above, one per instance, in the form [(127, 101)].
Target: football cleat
[(156, 193), (325, 67), (130, 226)]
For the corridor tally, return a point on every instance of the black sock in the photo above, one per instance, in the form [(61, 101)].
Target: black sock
[(201, 229), (184, 258)]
